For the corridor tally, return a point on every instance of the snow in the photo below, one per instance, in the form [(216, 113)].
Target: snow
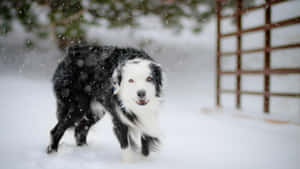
[(192, 139), (196, 134)]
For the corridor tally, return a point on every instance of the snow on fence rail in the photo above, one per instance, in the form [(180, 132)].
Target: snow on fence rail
[(267, 71)]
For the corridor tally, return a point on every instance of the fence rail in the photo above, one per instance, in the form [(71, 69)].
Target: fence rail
[(246, 51), (278, 24), (267, 71), (262, 93), (249, 9)]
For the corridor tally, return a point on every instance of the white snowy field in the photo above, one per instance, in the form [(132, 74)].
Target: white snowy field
[(192, 139)]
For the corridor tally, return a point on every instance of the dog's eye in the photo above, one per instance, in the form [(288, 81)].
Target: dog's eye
[(130, 80), (149, 79)]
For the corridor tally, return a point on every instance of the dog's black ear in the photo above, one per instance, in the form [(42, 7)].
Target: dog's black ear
[(158, 78), (116, 80)]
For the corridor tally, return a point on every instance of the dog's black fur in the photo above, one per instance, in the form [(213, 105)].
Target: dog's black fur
[(85, 75)]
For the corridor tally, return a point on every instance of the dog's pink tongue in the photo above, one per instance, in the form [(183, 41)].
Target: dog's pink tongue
[(142, 101)]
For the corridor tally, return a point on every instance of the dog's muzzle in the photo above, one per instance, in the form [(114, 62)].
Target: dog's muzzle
[(142, 98)]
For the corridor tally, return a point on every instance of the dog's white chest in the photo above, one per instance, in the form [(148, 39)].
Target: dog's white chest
[(147, 123)]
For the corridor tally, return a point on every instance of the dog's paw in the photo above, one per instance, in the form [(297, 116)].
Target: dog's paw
[(144, 158), (81, 144), (81, 141), (130, 156), (50, 149)]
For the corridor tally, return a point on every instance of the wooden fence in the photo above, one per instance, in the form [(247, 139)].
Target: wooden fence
[(267, 71)]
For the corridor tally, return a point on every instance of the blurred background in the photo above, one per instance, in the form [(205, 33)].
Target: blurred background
[(181, 35)]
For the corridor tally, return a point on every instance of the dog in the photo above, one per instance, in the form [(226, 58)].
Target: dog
[(127, 83)]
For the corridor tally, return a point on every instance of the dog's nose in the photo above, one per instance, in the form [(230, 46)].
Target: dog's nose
[(141, 93)]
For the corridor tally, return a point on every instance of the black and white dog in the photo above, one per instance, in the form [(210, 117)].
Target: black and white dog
[(125, 82)]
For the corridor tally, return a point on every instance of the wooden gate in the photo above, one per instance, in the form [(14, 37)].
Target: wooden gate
[(267, 71)]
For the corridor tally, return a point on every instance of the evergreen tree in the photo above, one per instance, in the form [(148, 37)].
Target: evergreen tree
[(67, 21)]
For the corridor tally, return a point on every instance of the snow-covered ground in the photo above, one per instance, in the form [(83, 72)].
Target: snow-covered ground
[(192, 139)]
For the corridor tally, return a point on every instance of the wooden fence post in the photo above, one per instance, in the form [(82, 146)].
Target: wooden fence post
[(239, 7), (267, 57), (218, 53)]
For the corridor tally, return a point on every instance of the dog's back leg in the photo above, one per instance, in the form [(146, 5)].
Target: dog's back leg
[(73, 113), (83, 126), (58, 131)]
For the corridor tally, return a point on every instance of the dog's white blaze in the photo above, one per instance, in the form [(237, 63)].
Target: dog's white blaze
[(147, 114)]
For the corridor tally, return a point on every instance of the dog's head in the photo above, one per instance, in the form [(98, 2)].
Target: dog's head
[(138, 82)]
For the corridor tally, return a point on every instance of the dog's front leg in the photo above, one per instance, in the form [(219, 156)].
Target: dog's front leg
[(122, 133), (145, 146), (149, 144)]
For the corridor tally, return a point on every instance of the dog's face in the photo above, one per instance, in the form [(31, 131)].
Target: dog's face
[(139, 83)]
